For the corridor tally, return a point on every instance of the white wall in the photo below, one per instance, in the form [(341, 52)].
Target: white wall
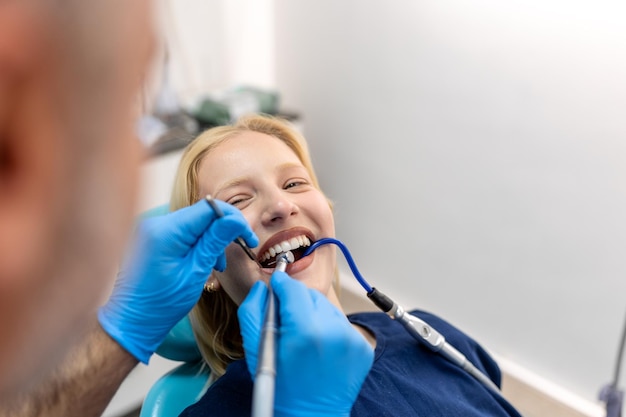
[(476, 153), (217, 44)]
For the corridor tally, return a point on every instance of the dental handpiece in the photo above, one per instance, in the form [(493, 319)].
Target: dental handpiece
[(265, 381), (435, 341)]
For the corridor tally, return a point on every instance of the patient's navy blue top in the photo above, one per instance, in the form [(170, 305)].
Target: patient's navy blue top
[(406, 379)]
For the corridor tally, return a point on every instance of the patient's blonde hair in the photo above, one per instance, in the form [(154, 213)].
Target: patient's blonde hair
[(214, 318)]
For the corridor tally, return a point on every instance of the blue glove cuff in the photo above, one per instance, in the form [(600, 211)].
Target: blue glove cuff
[(142, 355)]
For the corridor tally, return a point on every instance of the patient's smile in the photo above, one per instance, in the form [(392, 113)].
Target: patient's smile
[(296, 245)]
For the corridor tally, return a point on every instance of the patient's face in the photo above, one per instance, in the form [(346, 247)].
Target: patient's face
[(264, 178)]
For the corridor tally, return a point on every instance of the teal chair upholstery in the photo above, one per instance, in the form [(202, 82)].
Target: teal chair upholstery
[(183, 385), (154, 212)]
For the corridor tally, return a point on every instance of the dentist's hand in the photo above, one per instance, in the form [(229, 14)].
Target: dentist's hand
[(162, 280), (322, 360)]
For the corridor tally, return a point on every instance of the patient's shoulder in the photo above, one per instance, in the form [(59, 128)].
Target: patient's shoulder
[(230, 395)]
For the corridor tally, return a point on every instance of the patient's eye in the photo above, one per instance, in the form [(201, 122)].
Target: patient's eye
[(293, 183), (238, 200)]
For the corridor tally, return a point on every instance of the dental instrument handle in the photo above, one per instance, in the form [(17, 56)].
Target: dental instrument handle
[(219, 213), (423, 332), (436, 342), (419, 329), (265, 380)]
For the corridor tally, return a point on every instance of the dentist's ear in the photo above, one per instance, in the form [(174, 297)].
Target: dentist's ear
[(69, 170), (31, 156), (33, 153), (31, 180)]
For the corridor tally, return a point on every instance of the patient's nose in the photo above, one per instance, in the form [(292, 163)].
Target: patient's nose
[(279, 207)]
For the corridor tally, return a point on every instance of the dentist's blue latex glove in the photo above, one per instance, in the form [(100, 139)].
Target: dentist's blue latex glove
[(322, 360), (165, 274)]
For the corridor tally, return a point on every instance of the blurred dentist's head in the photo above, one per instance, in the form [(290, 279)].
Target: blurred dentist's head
[(70, 72)]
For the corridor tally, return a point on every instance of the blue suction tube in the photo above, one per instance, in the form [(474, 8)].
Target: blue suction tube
[(381, 300), (346, 254)]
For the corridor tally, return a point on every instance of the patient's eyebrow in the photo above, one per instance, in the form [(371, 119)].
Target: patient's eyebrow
[(232, 183), (290, 165)]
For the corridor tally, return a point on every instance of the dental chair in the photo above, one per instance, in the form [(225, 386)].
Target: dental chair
[(185, 384)]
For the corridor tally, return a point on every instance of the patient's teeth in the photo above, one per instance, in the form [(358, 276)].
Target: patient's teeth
[(287, 245)]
